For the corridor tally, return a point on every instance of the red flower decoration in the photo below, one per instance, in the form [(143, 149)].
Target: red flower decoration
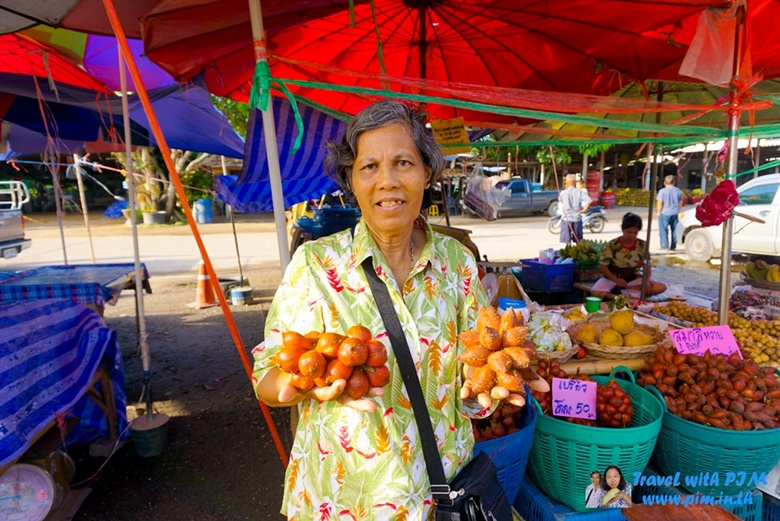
[(718, 205)]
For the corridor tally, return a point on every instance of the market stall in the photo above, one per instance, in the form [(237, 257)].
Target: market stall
[(58, 361), (92, 285)]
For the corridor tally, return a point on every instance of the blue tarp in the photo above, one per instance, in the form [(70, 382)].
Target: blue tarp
[(303, 177), (49, 353), (188, 119)]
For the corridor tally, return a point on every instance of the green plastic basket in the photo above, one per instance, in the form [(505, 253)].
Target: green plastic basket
[(697, 450), (564, 454)]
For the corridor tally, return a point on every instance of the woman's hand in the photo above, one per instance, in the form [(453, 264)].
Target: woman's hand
[(291, 395), (621, 283)]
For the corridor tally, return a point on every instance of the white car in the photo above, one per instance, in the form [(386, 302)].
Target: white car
[(758, 198)]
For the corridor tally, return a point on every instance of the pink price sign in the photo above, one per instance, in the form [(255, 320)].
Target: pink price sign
[(715, 339), (574, 398)]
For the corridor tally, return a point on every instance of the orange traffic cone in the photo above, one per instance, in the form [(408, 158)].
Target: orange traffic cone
[(204, 293)]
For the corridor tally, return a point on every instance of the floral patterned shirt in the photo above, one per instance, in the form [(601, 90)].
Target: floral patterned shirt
[(371, 465), (616, 254)]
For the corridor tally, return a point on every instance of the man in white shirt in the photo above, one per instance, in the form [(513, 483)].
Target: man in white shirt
[(574, 203), (591, 493)]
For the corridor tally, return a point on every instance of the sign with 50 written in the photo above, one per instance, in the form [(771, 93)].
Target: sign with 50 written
[(574, 398)]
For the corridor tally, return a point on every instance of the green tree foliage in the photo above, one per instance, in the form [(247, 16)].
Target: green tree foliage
[(593, 149), (561, 154), (236, 112)]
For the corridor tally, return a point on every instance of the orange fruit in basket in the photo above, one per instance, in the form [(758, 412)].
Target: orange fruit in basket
[(360, 332), (293, 339), (377, 353), (312, 364), (328, 344), (352, 352)]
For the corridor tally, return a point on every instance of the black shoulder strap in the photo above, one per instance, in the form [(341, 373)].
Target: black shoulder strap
[(439, 487)]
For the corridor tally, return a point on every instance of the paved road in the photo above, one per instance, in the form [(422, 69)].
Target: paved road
[(172, 250)]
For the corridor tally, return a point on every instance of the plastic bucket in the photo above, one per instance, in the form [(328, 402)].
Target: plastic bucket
[(203, 212), (149, 435), (241, 295)]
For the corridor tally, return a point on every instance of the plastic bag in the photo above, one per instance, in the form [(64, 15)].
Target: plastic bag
[(548, 331), (482, 198)]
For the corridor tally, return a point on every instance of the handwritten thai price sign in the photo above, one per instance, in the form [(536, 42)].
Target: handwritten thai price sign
[(715, 339), (451, 132), (574, 398)]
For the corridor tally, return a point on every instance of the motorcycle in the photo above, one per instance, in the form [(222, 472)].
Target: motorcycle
[(593, 220)]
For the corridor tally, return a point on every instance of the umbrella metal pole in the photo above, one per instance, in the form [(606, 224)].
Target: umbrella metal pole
[(724, 290), (272, 150), (139, 294), (83, 199), (653, 182)]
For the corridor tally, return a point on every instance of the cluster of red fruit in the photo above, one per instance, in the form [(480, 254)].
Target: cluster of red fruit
[(502, 422), (319, 359), (613, 404)]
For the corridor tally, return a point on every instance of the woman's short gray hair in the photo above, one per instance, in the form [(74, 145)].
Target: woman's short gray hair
[(340, 157)]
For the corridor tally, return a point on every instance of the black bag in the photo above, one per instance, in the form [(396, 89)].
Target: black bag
[(480, 495), (475, 493)]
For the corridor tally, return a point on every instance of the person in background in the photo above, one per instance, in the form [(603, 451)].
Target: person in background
[(591, 493), (574, 202), (614, 480), (580, 184), (362, 458), (622, 261), (668, 205)]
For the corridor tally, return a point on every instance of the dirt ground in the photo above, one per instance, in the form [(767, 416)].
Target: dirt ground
[(219, 462)]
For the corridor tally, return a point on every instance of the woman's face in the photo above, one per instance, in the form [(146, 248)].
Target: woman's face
[(388, 179), (613, 478), (595, 478), (630, 234)]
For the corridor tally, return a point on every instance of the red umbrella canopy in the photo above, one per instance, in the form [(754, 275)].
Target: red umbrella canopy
[(24, 56), (762, 41), (562, 45)]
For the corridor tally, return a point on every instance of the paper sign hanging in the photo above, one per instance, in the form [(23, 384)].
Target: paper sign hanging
[(715, 339), (451, 131), (574, 398)]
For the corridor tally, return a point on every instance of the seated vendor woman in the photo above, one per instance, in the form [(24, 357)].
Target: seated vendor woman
[(622, 262)]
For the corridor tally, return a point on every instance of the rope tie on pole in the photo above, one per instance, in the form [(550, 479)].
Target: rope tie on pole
[(260, 95)]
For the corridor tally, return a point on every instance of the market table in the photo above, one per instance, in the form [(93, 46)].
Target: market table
[(58, 361), (93, 285)]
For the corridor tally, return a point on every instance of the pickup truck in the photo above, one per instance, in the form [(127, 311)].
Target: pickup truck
[(523, 199), (13, 194), (758, 197)]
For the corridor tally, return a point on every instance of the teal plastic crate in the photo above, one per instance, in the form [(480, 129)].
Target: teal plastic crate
[(534, 505), (747, 511)]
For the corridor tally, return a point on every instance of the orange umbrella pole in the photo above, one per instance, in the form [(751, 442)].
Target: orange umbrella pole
[(166, 153)]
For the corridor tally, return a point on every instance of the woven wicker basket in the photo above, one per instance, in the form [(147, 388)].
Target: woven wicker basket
[(562, 356), (658, 337), (764, 284)]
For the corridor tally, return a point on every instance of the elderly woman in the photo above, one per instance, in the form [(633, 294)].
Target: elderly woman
[(362, 458)]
